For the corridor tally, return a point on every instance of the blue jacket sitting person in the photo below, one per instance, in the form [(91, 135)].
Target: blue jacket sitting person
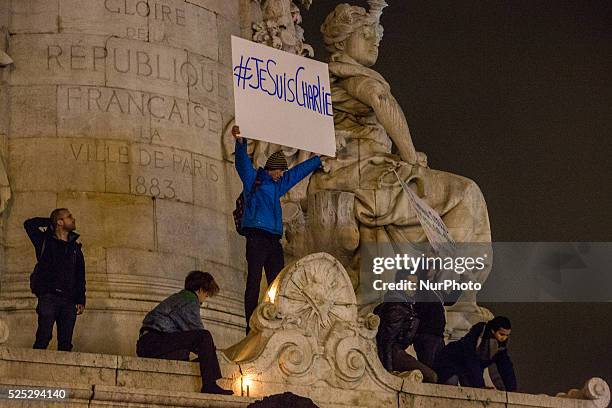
[(485, 345), (262, 222)]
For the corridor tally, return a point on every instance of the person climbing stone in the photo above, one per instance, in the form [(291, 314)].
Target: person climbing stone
[(485, 345)]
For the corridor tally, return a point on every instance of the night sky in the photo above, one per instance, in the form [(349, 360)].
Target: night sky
[(516, 95)]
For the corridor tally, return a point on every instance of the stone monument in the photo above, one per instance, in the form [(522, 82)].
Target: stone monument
[(374, 139), (375, 147), (115, 110), (119, 110), (358, 200), (307, 337)]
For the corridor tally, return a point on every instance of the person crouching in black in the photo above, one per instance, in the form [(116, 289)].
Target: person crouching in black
[(485, 345), (398, 325)]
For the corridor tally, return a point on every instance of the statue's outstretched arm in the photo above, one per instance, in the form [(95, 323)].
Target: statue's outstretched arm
[(388, 112)]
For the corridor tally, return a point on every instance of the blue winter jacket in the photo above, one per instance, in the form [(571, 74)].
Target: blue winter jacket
[(263, 208)]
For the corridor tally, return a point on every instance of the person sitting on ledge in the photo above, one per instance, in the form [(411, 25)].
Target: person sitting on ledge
[(174, 328), (397, 329), (485, 345)]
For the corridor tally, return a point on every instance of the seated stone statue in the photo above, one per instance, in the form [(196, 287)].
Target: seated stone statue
[(373, 140)]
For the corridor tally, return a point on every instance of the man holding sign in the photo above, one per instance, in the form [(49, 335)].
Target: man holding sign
[(262, 220)]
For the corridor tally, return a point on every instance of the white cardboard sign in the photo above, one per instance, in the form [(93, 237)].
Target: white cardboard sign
[(436, 231), (282, 98)]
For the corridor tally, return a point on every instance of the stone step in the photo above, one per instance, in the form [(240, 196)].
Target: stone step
[(101, 380), (83, 396), (76, 395), (86, 369)]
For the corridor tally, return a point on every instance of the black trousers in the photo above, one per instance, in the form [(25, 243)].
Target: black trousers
[(178, 345), (52, 309), (427, 347), (263, 250), (470, 375), (453, 366)]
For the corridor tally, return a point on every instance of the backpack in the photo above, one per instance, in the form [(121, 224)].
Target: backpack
[(35, 275), (238, 212), (409, 331)]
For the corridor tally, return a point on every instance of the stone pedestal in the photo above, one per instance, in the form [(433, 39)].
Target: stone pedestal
[(114, 109)]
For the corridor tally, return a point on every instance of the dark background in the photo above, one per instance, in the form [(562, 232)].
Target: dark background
[(517, 96)]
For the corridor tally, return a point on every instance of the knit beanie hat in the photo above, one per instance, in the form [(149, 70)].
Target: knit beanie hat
[(277, 161)]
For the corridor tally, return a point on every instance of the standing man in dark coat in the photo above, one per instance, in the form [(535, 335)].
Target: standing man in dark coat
[(396, 331), (429, 339), (262, 222), (429, 307), (485, 345), (58, 279), (174, 328)]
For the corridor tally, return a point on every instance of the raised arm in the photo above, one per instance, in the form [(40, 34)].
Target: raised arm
[(33, 227), (296, 174), (245, 168)]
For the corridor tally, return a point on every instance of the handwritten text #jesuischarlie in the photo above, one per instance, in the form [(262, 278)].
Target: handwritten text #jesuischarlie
[(288, 87)]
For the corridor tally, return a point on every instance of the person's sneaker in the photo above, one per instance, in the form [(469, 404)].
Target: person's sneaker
[(215, 389)]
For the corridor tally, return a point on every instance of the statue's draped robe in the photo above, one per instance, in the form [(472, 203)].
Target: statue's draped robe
[(364, 166)]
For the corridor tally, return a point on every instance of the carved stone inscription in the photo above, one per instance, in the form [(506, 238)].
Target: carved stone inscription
[(135, 116), (184, 25), (115, 109), (58, 59), (128, 64), (93, 100), (142, 169), (135, 64), (174, 23), (143, 8), (140, 98)]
